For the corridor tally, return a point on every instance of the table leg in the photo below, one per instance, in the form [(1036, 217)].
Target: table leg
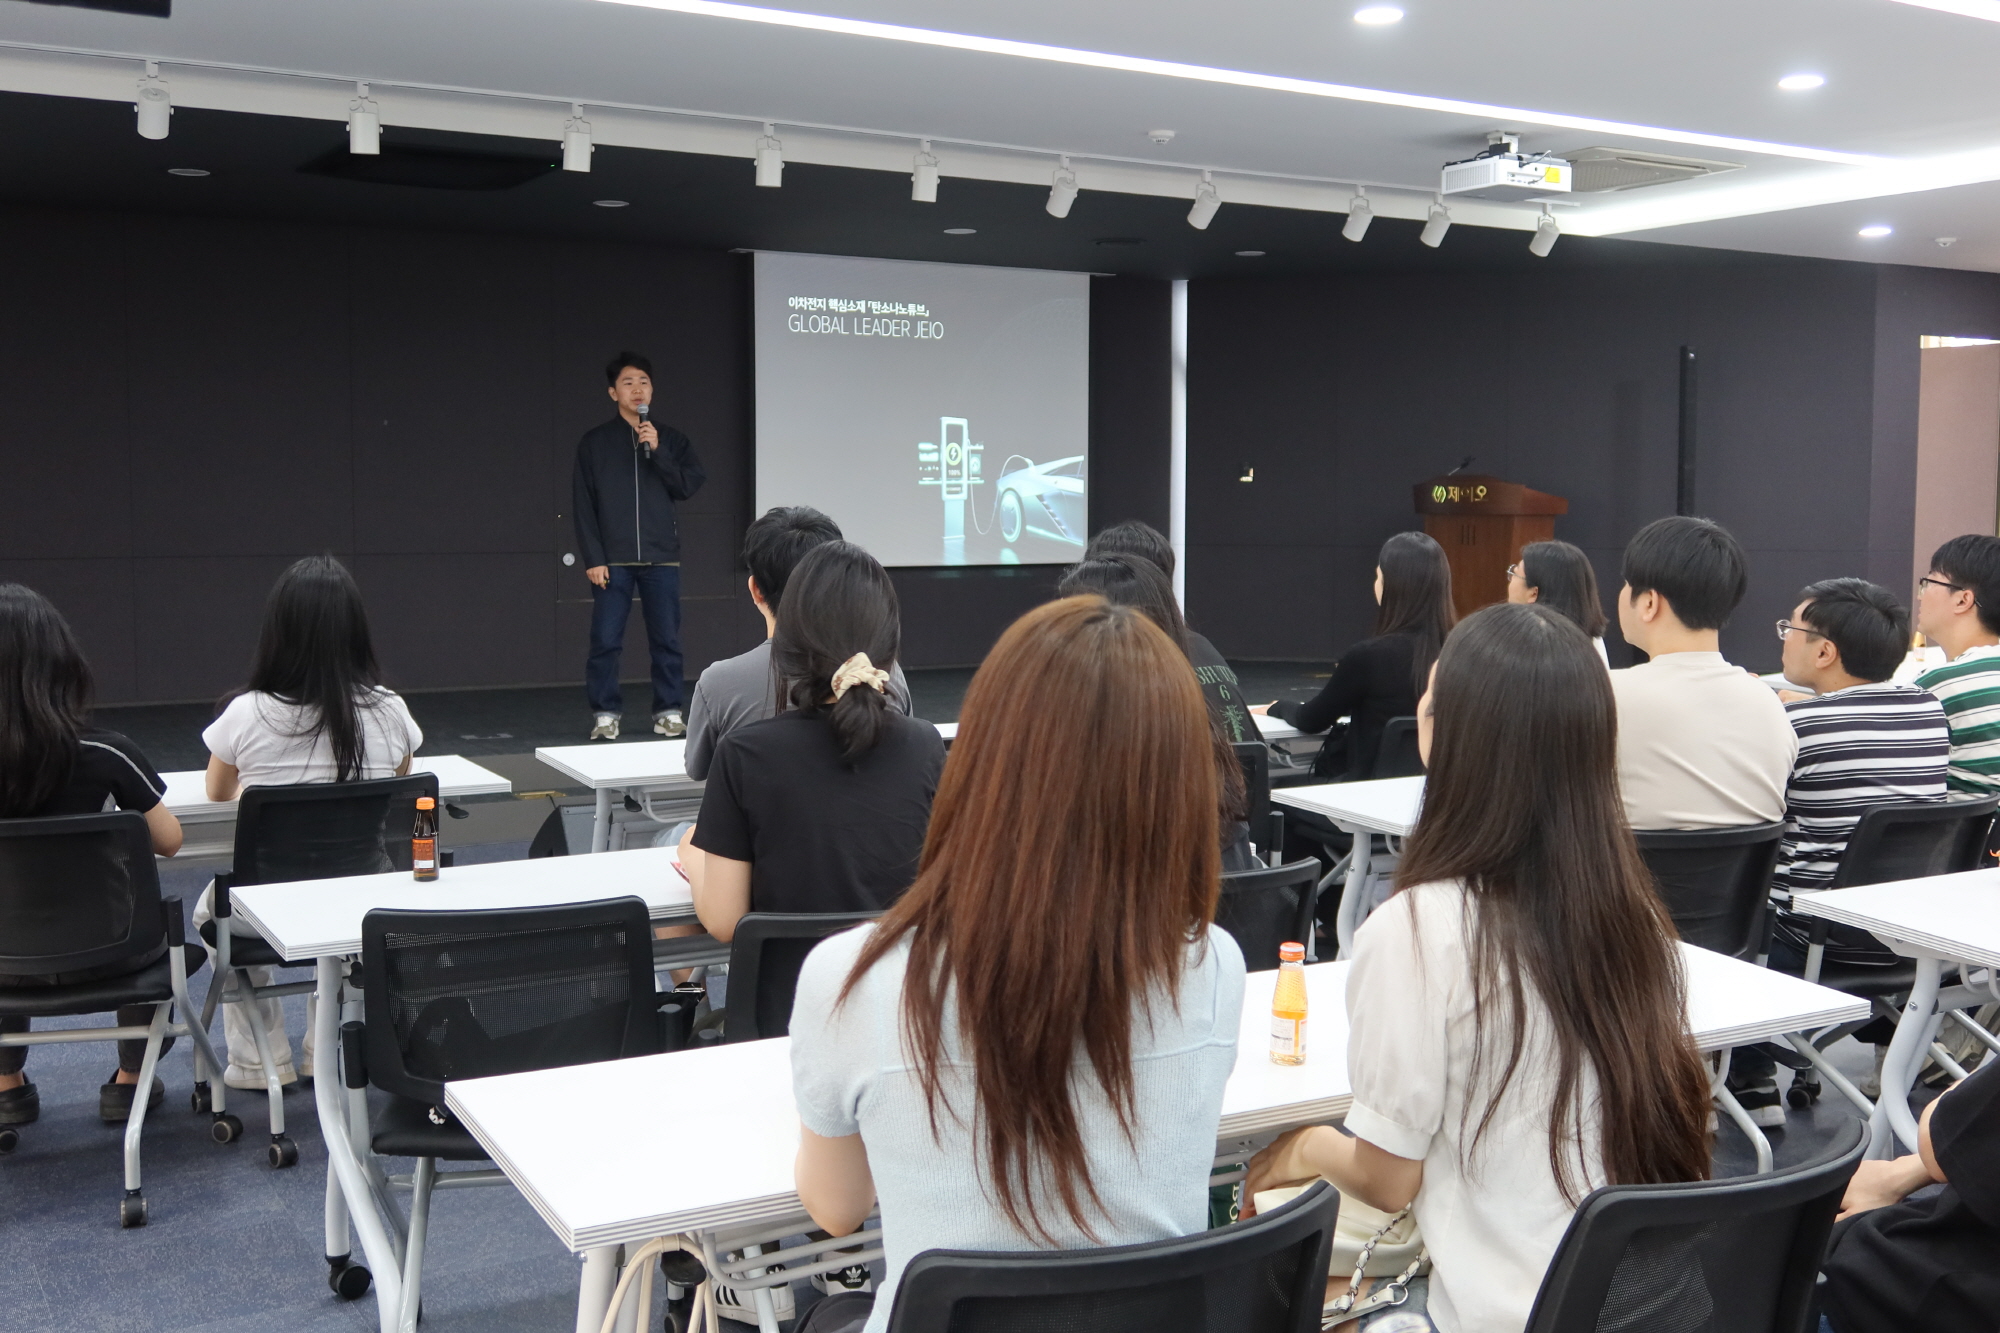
[(593, 1296), (1348, 918), (1900, 1065), (343, 1168), (600, 828)]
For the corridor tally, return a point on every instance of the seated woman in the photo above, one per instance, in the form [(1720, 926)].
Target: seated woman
[(1049, 1088), (314, 710), (821, 808), (1559, 576), (1496, 1082), (53, 762), (1380, 677)]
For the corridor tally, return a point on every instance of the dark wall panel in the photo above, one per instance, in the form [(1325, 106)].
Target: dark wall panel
[(1130, 385)]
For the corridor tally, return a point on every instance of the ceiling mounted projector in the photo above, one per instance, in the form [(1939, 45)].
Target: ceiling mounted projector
[(1503, 171)]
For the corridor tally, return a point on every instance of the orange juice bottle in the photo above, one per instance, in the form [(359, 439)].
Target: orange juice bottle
[(424, 840), (1288, 1007)]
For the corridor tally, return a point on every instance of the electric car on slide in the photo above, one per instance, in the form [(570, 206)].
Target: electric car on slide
[(1046, 499)]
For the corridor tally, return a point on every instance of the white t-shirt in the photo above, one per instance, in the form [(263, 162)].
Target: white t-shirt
[(267, 740), (850, 1075), (1492, 1226), (1701, 744)]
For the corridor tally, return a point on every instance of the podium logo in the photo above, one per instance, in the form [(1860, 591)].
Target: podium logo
[(1458, 494)]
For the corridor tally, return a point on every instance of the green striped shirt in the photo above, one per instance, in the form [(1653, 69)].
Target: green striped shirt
[(1969, 688)]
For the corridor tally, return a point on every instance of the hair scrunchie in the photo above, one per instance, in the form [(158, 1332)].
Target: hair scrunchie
[(858, 670)]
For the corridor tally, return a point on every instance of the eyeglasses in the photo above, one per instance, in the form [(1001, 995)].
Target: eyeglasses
[(1955, 587), (1512, 570), (1786, 627)]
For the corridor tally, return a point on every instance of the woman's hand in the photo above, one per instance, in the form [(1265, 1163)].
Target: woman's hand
[(1283, 1163), (1262, 709), (1879, 1184)]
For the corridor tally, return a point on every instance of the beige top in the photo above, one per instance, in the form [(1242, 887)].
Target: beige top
[(1701, 744)]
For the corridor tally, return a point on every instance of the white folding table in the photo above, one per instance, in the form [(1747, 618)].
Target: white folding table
[(701, 1143), (1944, 918), (1362, 809), (319, 921), (187, 793)]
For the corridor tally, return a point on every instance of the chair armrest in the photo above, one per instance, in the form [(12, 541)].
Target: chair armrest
[(447, 858), (457, 811), (218, 901), (353, 1055), (170, 908)]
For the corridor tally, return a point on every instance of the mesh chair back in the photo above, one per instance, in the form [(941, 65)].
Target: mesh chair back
[(1255, 757), (452, 995), (1714, 882), (1398, 757), (765, 955), (326, 830), (1895, 842), (1266, 1275), (78, 893), (1262, 909), (1725, 1256)]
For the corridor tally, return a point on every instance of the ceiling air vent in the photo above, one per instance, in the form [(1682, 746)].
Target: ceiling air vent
[(1598, 170)]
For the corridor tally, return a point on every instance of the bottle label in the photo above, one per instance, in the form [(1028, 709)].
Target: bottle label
[(423, 854), (1288, 1035)]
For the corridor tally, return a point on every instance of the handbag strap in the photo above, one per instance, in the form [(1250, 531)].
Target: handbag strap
[(1393, 1292)]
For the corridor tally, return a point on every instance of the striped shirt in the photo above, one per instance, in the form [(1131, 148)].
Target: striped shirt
[(1969, 688)]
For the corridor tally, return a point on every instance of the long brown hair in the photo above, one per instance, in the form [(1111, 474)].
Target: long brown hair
[(1416, 597), (1522, 807), (1071, 861)]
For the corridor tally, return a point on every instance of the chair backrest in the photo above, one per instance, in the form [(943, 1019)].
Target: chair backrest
[(1266, 1275), (1715, 882), (326, 830), (453, 995), (1895, 842), (1398, 757), (1255, 757), (1262, 909), (1724, 1256), (78, 892), (765, 955)]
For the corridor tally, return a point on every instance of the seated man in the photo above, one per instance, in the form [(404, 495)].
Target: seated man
[(1958, 609), (1701, 743), (742, 689)]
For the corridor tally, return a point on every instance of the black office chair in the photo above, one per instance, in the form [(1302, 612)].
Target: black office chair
[(765, 955), (1715, 882), (316, 830), (458, 995), (1398, 756), (1723, 1256), (80, 896), (1262, 909), (1266, 1275), (1255, 758)]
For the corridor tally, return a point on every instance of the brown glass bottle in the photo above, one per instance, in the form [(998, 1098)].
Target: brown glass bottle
[(424, 840)]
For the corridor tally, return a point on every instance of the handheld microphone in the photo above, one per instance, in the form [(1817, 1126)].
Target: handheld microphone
[(645, 409)]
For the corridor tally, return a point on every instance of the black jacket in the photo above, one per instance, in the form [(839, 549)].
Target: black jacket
[(624, 498), (1374, 681)]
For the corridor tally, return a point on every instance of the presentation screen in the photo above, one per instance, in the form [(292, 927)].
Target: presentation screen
[(938, 412)]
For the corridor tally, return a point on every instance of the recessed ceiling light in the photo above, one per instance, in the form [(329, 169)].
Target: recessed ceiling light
[(1376, 16), (611, 203), (961, 231), (1801, 83), (186, 171), (1876, 232), (1249, 254)]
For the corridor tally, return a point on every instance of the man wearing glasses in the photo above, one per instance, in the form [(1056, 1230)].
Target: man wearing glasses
[(1958, 609)]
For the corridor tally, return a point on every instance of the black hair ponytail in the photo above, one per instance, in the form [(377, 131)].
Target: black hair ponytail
[(839, 602)]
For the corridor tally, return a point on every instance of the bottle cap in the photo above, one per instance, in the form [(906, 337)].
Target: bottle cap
[(426, 803), (1291, 953)]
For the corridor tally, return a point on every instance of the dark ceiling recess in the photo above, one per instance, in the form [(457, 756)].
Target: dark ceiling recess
[(432, 168), (152, 9)]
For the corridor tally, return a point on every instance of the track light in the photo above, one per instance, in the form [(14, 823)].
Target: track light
[(364, 124), (155, 105), (1062, 191), (576, 140), (1546, 233), (1206, 203), (1359, 215), (924, 179), (1439, 224), (770, 160)]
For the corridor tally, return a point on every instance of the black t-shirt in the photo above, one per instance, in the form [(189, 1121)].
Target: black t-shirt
[(1374, 681), (108, 773), (821, 835), (1931, 1263), (1220, 690)]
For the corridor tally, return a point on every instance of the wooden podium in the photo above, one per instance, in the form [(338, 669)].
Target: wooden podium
[(1482, 523)]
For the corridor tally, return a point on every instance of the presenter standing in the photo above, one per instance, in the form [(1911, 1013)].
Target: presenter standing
[(629, 474)]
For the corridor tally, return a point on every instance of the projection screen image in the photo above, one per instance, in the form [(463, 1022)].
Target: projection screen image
[(939, 412)]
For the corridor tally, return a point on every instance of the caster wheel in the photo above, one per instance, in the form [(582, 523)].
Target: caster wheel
[(349, 1281), (199, 1100), (1797, 1097), (132, 1211), (10, 1139), (282, 1153), (226, 1128), (682, 1269)]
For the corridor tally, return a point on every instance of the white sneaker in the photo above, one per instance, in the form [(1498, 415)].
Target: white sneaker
[(670, 723), (852, 1278), (742, 1305), (606, 728), (246, 1079)]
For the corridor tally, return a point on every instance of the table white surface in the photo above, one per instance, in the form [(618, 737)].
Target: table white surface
[(187, 792), (1951, 916), (1275, 729), (1386, 805), (322, 918)]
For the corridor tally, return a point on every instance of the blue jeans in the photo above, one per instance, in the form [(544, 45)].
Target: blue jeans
[(659, 590)]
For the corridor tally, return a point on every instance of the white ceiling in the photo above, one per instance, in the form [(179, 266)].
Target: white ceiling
[(1912, 86)]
